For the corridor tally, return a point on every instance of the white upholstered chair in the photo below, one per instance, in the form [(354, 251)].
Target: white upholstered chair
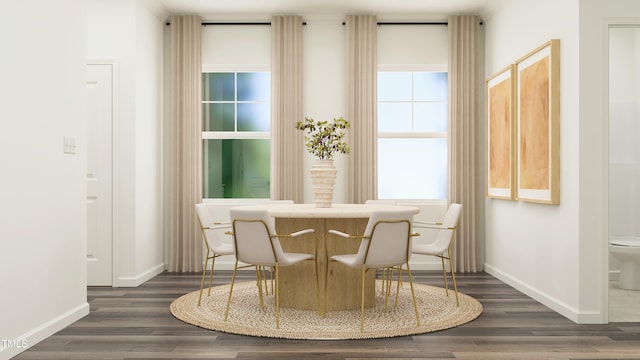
[(386, 243), (214, 245), (257, 244), (441, 247), (261, 271)]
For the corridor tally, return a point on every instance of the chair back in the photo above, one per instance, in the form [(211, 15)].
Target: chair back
[(252, 230), (388, 241), (211, 238), (450, 222)]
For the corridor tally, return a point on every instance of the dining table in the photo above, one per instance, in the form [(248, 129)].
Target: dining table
[(303, 285)]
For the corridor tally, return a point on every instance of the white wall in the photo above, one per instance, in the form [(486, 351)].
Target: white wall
[(324, 87), (43, 190), (131, 32), (536, 247), (149, 250)]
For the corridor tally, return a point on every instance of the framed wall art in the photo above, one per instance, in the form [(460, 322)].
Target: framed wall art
[(538, 124), (500, 134)]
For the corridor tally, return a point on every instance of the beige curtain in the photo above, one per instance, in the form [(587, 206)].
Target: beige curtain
[(465, 89), (286, 108), (186, 144), (362, 109)]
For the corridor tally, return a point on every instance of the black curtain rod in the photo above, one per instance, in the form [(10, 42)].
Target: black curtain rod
[(410, 23), (445, 23), (205, 23)]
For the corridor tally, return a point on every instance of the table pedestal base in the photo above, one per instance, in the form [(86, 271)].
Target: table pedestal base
[(298, 287)]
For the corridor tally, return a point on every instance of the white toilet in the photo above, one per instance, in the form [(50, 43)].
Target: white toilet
[(627, 250)]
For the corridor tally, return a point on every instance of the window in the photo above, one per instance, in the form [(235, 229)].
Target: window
[(236, 121), (412, 134)]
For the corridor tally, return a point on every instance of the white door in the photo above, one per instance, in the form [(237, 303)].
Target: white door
[(99, 174)]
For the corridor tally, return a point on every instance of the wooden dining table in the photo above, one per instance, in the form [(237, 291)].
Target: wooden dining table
[(297, 284)]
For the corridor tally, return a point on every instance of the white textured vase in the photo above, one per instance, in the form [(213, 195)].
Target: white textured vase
[(323, 177)]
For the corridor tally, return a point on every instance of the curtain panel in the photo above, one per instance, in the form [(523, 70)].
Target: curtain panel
[(465, 90), (362, 107), (185, 242), (286, 108)]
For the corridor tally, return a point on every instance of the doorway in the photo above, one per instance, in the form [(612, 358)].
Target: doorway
[(624, 159)]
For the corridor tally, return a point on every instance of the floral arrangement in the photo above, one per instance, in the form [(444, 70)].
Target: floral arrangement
[(325, 138)]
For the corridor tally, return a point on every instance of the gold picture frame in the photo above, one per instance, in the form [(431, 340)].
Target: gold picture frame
[(538, 124), (500, 134)]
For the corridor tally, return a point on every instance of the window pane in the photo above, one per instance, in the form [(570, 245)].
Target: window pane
[(218, 117), (430, 117), (236, 168), (430, 86), (400, 176), (394, 86), (394, 117), (254, 86), (218, 86), (254, 117)]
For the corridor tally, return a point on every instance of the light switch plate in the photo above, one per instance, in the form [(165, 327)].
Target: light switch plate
[(69, 146)]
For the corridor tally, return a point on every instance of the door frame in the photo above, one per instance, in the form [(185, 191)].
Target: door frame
[(607, 23), (115, 164)]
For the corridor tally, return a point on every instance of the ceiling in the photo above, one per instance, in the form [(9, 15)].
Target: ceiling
[(408, 8)]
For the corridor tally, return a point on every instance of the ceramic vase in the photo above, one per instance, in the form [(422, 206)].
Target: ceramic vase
[(323, 178)]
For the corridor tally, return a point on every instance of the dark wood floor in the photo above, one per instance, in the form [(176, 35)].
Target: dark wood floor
[(135, 323)]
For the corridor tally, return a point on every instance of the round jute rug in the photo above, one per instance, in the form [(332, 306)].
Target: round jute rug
[(437, 312)]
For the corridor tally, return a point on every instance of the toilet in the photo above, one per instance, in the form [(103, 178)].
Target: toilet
[(627, 250)]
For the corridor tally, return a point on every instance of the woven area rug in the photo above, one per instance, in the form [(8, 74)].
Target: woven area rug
[(437, 312)]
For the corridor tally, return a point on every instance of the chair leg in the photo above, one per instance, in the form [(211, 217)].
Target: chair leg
[(326, 282), (271, 277), (362, 302), (444, 275), (259, 284), (204, 273), (233, 280), (277, 299), (213, 261), (387, 285), (413, 295), (395, 306), (453, 276), (320, 308)]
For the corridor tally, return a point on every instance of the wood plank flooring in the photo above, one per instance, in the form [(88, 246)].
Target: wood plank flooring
[(135, 323)]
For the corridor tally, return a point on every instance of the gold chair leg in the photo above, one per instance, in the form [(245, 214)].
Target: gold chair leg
[(259, 284), (320, 308), (277, 300), (444, 275), (213, 261), (204, 273), (271, 277), (387, 286), (453, 276), (390, 280), (326, 282), (413, 295), (395, 306), (362, 303), (233, 279)]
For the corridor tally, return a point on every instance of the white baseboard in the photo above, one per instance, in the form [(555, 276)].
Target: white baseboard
[(556, 305), (43, 331), (140, 279)]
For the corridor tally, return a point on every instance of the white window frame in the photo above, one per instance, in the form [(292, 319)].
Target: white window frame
[(413, 135), (227, 135)]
